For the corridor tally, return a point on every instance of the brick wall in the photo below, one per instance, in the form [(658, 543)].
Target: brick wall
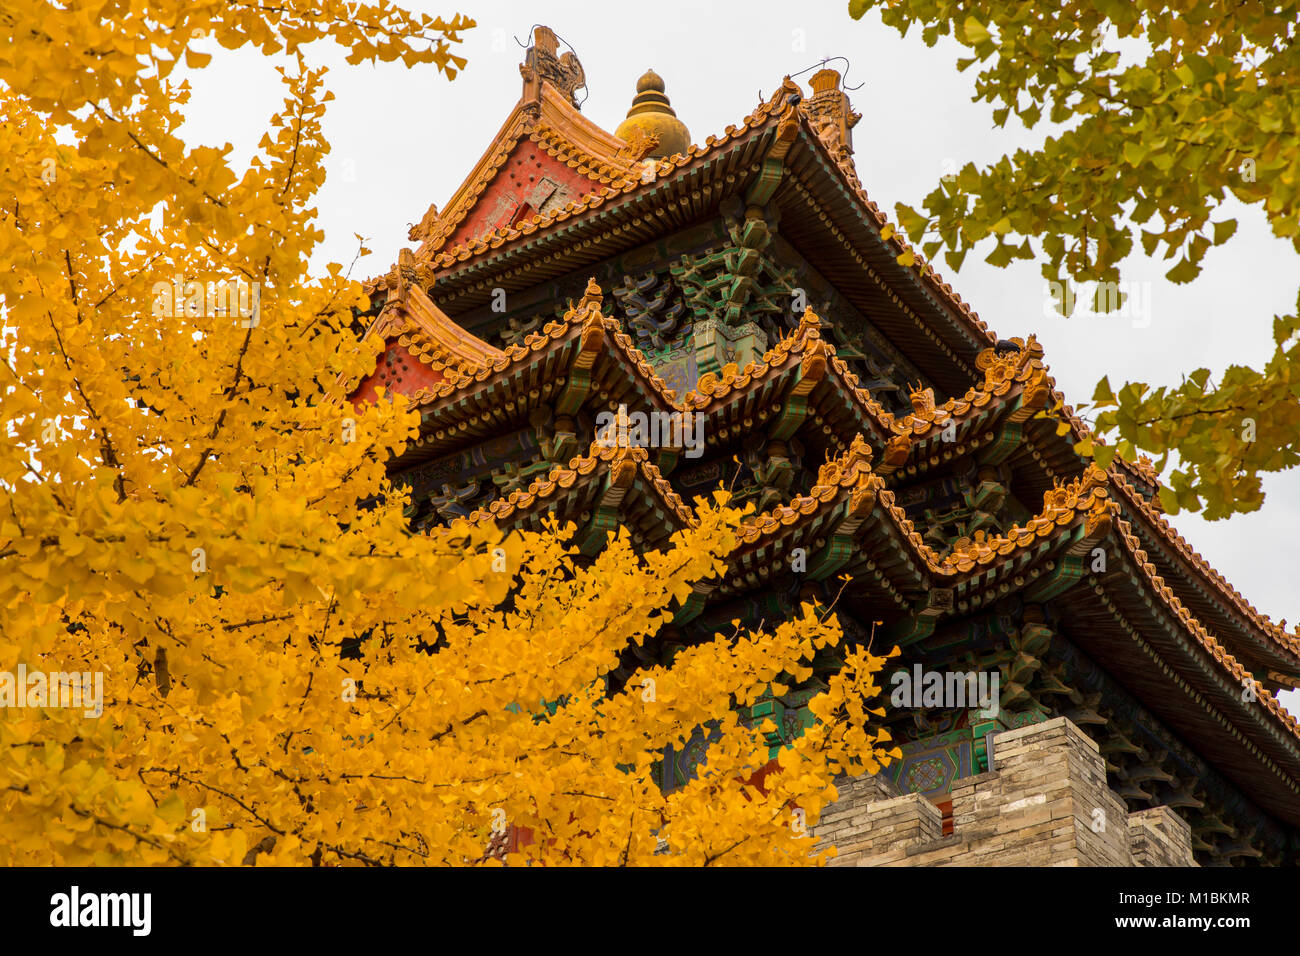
[(1044, 803)]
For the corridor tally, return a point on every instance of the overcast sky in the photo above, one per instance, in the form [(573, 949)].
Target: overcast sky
[(403, 138)]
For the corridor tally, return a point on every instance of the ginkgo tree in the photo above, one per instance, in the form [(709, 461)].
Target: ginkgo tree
[(1165, 111), (187, 514)]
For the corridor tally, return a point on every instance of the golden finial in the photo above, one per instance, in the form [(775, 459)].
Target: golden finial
[(650, 80), (652, 115)]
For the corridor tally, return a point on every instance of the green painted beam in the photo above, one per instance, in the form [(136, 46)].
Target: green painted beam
[(1010, 437), (1069, 571)]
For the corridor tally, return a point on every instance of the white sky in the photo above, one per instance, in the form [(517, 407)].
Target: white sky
[(403, 138)]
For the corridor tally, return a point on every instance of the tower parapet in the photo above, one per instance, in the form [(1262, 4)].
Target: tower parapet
[(1045, 803)]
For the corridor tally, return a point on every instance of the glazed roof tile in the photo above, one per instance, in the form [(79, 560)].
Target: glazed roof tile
[(806, 344), (1240, 674), (1085, 497), (596, 331), (925, 416), (1212, 577), (766, 113), (1023, 368), (415, 322), (650, 174), (850, 474), (625, 464)]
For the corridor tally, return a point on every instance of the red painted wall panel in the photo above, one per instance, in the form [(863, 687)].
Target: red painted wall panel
[(529, 182), (398, 371)]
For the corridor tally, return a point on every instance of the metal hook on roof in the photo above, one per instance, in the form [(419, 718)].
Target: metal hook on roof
[(530, 35), (820, 64)]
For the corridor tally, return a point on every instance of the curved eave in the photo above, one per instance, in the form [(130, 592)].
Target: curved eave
[(801, 368), (851, 525), (827, 215), (1250, 634), (473, 407), (586, 354), (1152, 645), (1254, 639), (848, 523), (617, 483), (1047, 456)]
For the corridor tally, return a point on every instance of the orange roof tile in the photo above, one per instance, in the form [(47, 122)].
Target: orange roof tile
[(597, 331), (1194, 627), (625, 463), (1212, 577), (579, 143), (648, 174)]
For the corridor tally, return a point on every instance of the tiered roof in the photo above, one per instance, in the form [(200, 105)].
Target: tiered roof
[(1166, 623)]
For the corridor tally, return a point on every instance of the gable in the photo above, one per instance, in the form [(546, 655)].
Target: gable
[(545, 155), (397, 370), (422, 347), (530, 182)]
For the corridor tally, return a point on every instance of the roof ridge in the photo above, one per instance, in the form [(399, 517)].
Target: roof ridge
[(1162, 525), (617, 457), (442, 334), (554, 125), (842, 161), (1086, 495), (559, 147), (435, 227), (421, 327), (595, 328), (1145, 470), (1002, 372)]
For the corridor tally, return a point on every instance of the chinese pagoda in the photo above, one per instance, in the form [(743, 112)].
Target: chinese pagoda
[(880, 429)]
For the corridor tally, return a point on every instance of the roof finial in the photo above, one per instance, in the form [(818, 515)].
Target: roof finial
[(829, 107), (543, 63), (652, 115)]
